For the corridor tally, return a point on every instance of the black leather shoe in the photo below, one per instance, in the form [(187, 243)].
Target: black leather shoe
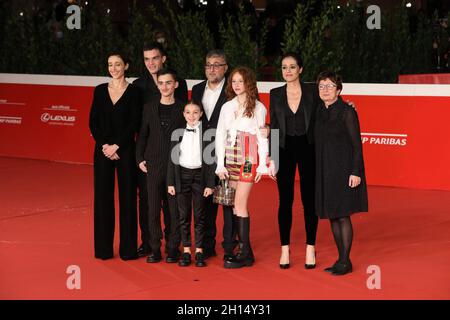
[(104, 257), (126, 258), (208, 253), (154, 257), (143, 251), (342, 268), (200, 260), (332, 268), (227, 257), (239, 261), (284, 265), (185, 259), (173, 257)]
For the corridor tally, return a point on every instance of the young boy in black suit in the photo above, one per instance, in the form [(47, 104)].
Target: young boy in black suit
[(191, 179)]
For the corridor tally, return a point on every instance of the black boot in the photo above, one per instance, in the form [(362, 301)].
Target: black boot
[(245, 258)]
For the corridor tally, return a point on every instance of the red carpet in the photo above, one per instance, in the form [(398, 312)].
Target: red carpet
[(46, 225)]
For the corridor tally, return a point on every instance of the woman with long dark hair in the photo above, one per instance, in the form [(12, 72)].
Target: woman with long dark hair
[(114, 121), (292, 110)]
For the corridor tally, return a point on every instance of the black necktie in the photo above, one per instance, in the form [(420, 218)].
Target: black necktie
[(190, 130)]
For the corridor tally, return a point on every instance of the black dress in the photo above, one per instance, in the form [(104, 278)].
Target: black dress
[(338, 155)]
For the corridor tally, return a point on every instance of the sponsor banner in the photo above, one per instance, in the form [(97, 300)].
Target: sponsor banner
[(404, 136)]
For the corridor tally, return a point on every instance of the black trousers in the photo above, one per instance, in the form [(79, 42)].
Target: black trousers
[(104, 213), (191, 195), (143, 211), (159, 198), (229, 228), (297, 153)]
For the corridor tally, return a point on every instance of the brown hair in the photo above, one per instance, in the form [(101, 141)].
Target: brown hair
[(250, 88), (333, 76)]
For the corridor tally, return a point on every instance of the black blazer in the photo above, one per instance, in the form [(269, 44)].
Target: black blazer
[(150, 91), (278, 103), (173, 170), (197, 96), (152, 144)]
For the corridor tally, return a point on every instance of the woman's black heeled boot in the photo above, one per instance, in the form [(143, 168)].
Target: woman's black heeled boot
[(245, 258)]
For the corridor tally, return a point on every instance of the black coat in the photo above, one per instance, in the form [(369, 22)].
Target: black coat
[(197, 96), (153, 144), (173, 169), (339, 154), (278, 102)]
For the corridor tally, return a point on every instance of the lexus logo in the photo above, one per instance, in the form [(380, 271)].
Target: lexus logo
[(45, 117)]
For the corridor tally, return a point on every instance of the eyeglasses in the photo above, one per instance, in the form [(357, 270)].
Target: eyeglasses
[(327, 86), (214, 66)]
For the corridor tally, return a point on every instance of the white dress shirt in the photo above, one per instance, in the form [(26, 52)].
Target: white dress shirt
[(190, 147), (231, 121), (210, 97)]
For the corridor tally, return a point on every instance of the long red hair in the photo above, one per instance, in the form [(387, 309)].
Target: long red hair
[(250, 88)]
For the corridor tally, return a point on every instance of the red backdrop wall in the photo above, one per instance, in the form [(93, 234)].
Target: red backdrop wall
[(405, 129)]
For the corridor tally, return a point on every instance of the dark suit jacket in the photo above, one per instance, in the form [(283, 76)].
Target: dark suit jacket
[(150, 91), (173, 169), (197, 96), (278, 104), (152, 144)]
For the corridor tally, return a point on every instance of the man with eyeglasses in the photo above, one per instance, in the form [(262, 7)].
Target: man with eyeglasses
[(154, 59), (210, 94)]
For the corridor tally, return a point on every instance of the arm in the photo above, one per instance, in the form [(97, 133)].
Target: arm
[(353, 130), (274, 124), (143, 135), (263, 143), (220, 141), (94, 120)]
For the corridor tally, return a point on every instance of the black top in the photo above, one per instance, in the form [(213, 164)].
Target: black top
[(150, 91), (295, 122), (165, 113), (338, 155), (279, 110), (115, 123)]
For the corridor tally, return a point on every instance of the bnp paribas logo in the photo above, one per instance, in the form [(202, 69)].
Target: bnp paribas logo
[(386, 139)]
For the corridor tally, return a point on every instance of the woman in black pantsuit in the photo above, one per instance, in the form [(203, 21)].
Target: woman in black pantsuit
[(292, 109), (340, 180), (114, 121)]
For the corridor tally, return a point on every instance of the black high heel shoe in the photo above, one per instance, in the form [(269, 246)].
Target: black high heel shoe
[(285, 265), (311, 266)]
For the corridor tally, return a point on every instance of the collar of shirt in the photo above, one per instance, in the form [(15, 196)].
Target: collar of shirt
[(218, 88), (194, 127)]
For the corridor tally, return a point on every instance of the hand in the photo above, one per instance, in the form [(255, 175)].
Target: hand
[(109, 150), (223, 175), (143, 166), (272, 170), (265, 131), (354, 181), (258, 177), (207, 192), (171, 190), (115, 156)]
